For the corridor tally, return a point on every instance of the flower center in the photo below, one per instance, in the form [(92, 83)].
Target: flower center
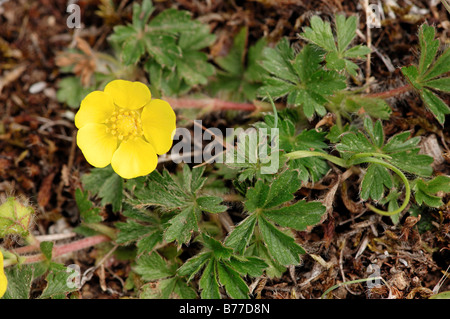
[(124, 124)]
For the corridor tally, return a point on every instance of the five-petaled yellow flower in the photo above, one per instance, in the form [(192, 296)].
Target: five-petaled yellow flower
[(123, 126), (3, 280)]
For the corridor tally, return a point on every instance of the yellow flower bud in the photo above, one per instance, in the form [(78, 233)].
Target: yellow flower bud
[(15, 218)]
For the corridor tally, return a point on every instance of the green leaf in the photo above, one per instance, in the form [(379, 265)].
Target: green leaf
[(88, 213), (241, 74), (425, 191), (320, 34), (71, 92), (208, 282), (375, 132), (193, 265), (412, 162), (220, 251), (428, 47), (442, 84), (425, 75), (182, 226), (281, 246), (240, 236), (435, 105), (297, 216), (211, 204), (336, 56), (235, 287), (142, 13), (153, 267), (104, 183), (20, 279), (234, 60), (251, 266), (355, 143), (46, 249), (57, 284), (374, 181)]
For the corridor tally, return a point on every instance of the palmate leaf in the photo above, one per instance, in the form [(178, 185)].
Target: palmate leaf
[(180, 197), (241, 74), (337, 53), (427, 76), (400, 150), (154, 268), (221, 267), (310, 168), (301, 78), (267, 204), (425, 191), (105, 184)]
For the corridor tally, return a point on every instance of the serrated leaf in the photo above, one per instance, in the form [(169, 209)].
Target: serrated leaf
[(442, 84), (104, 183), (376, 178), (282, 188), (320, 34), (274, 269), (219, 250), (297, 216), (428, 47), (375, 132), (88, 213), (440, 67), (235, 287), (142, 13), (412, 162), (153, 267), (57, 284), (281, 246), (240, 236), (20, 279), (435, 105), (211, 204), (355, 143), (251, 266), (337, 54), (193, 265), (182, 226), (425, 192), (71, 92), (208, 282)]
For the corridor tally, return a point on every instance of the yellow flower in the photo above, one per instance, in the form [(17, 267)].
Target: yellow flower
[(3, 279), (124, 127)]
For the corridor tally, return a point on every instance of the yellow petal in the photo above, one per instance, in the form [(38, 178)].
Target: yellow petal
[(97, 145), (134, 157), (3, 279), (96, 107), (159, 124), (127, 94)]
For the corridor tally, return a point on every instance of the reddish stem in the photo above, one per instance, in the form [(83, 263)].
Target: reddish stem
[(68, 248), (390, 93), (212, 104)]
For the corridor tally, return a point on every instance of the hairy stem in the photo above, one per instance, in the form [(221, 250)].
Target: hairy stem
[(211, 104), (62, 249), (390, 93)]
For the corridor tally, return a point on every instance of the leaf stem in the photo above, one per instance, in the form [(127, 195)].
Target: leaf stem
[(390, 93), (61, 250), (212, 104)]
